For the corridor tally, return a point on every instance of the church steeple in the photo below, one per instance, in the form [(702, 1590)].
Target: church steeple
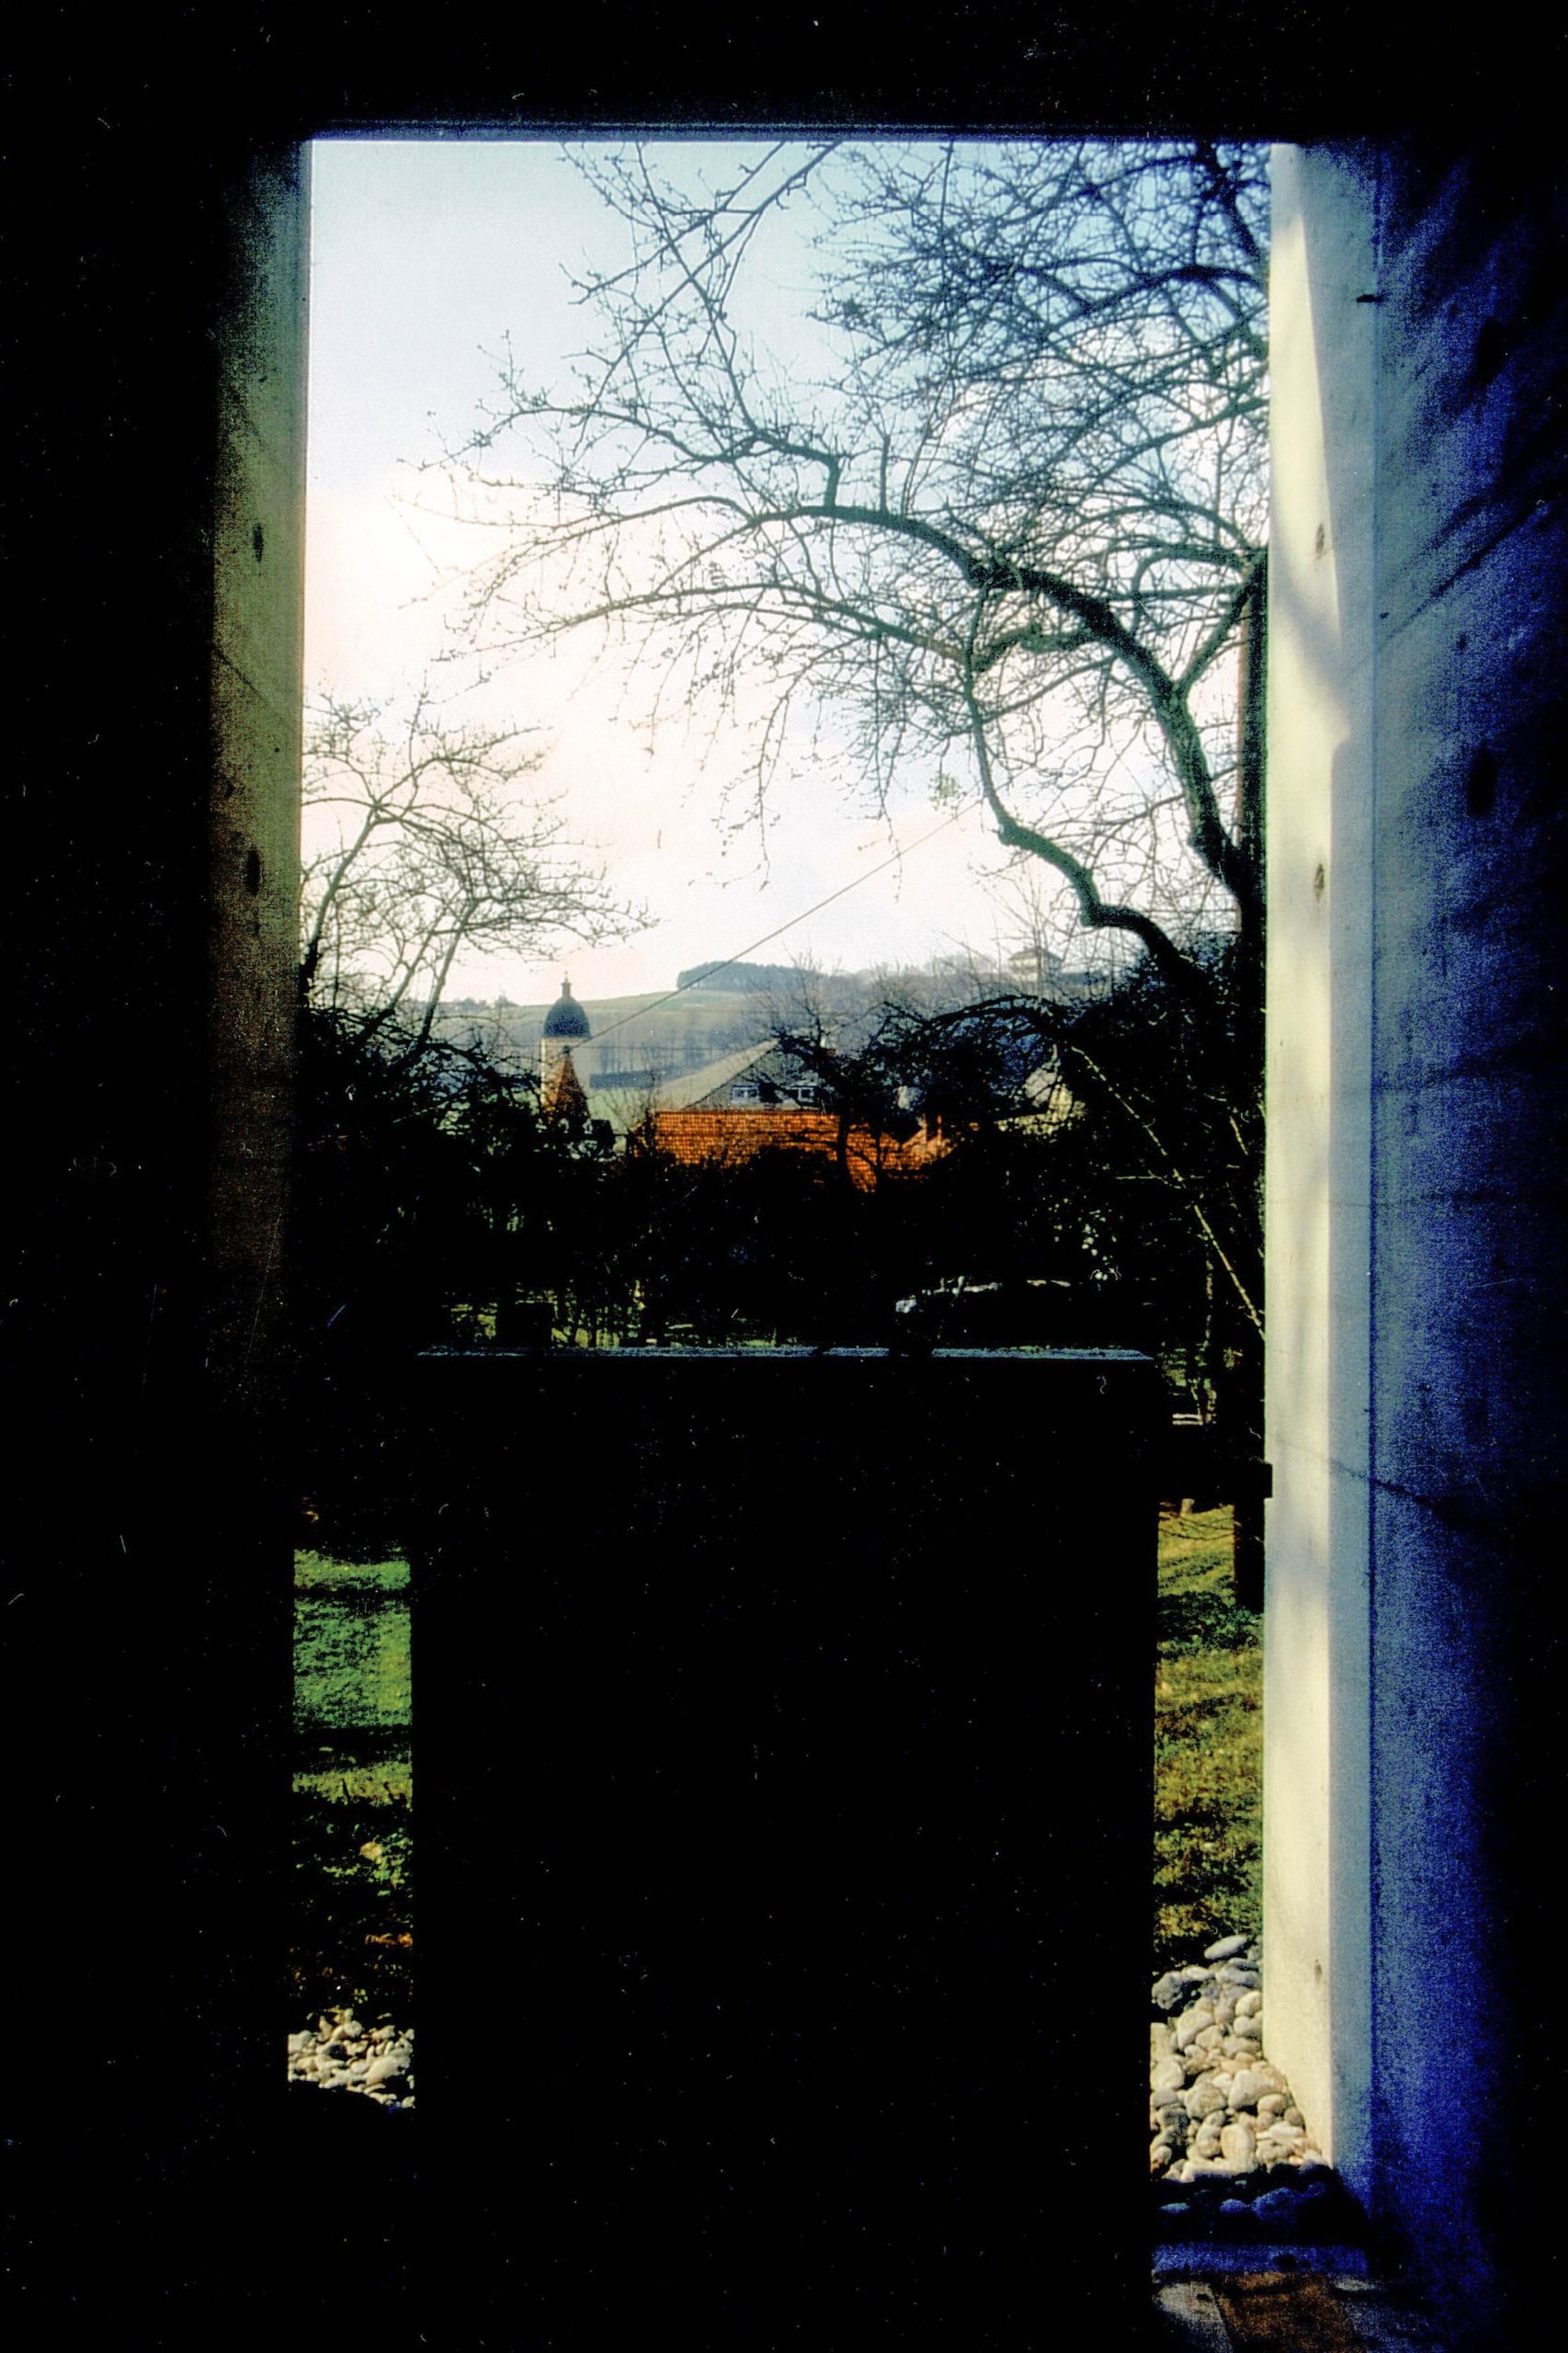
[(566, 1019), (564, 1097), (561, 1089)]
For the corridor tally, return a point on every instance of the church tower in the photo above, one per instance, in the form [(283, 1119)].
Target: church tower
[(561, 1089)]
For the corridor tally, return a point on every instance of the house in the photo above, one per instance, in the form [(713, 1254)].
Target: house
[(768, 1101)]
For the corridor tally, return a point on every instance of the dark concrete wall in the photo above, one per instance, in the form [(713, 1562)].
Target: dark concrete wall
[(1419, 875), (152, 758), (1469, 1129)]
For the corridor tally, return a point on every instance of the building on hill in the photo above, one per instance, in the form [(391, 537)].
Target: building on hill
[(629, 1097), (735, 977)]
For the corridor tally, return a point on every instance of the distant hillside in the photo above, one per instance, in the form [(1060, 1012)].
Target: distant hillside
[(637, 1041), (742, 979), (655, 1034)]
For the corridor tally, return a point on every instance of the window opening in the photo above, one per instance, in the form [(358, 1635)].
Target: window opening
[(670, 590)]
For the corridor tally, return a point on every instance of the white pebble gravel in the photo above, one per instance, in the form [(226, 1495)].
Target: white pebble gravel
[(339, 2052), (1230, 2149)]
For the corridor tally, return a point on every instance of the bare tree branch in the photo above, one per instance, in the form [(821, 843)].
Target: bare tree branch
[(422, 845), (1047, 386)]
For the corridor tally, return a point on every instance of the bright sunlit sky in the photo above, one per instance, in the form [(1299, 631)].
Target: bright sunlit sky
[(423, 257)]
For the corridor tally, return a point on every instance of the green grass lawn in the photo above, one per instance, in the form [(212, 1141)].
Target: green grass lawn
[(1208, 1744), (351, 1930)]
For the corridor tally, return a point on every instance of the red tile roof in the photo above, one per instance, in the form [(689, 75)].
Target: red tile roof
[(739, 1134)]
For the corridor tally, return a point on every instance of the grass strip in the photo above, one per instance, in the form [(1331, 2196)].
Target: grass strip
[(1208, 1744)]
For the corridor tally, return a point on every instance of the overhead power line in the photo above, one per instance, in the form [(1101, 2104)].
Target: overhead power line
[(708, 970)]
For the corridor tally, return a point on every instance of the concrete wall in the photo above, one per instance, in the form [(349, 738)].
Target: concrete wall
[(257, 675), (1321, 786), (153, 765), (1418, 864)]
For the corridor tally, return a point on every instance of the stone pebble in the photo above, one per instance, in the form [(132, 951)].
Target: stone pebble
[(340, 2052), (1231, 2150), (1230, 2147)]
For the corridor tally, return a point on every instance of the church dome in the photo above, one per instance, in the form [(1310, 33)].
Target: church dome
[(566, 1018)]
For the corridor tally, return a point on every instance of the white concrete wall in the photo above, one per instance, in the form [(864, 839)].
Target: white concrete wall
[(1322, 787)]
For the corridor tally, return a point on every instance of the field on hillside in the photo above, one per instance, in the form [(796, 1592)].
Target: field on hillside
[(628, 1032)]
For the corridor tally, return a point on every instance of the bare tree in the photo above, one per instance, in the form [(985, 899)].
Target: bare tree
[(1003, 534), (427, 849), (1014, 524)]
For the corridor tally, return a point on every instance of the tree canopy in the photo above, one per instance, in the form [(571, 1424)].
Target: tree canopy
[(1007, 524)]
